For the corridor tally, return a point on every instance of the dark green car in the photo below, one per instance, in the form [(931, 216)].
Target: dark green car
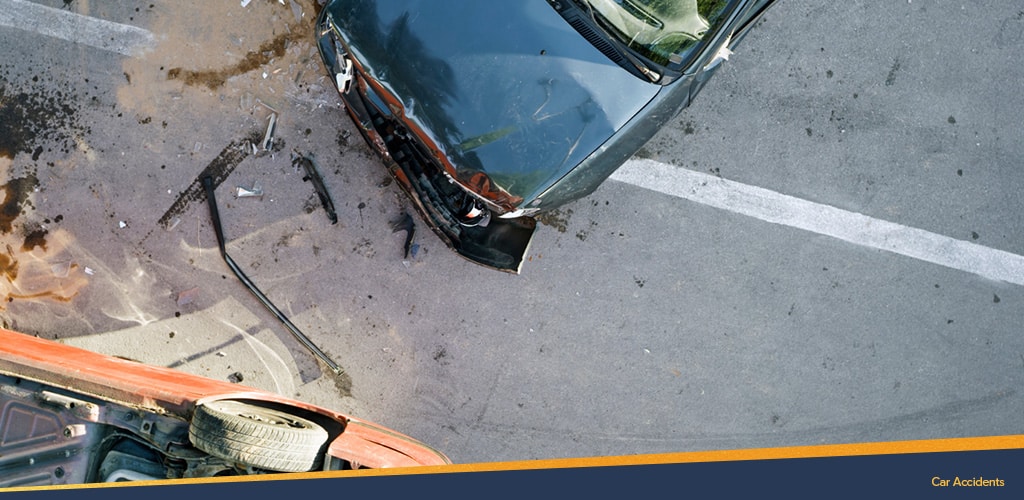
[(488, 113)]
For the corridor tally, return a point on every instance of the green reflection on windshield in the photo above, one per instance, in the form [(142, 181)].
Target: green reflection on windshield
[(663, 31)]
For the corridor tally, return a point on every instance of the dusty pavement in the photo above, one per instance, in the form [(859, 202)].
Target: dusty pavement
[(643, 322)]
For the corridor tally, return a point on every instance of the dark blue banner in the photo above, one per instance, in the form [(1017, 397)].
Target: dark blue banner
[(968, 474)]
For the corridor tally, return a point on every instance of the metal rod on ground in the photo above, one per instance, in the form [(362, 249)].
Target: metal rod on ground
[(215, 215)]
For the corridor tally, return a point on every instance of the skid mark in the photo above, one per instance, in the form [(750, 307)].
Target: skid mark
[(219, 169)]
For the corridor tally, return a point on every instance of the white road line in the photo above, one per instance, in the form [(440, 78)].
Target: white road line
[(66, 25), (855, 228)]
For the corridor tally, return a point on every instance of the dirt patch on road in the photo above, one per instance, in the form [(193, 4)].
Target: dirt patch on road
[(203, 47), (33, 120), (34, 264), (214, 79)]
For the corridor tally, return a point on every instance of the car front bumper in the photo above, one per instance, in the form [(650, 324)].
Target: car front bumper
[(499, 243)]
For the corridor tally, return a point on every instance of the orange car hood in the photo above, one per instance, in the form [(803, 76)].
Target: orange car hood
[(172, 392)]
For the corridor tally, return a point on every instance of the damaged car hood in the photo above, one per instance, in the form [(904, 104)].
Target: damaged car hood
[(509, 89)]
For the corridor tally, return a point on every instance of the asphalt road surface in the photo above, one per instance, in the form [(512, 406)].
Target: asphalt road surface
[(825, 248)]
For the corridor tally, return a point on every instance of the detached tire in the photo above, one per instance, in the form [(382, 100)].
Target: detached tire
[(256, 436)]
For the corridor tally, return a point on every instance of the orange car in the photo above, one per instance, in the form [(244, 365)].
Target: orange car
[(71, 416)]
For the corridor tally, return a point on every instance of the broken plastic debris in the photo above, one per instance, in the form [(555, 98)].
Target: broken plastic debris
[(61, 269), (246, 101), (89, 271), (174, 223), (268, 137), (245, 3), (343, 79), (313, 175), (265, 105), (405, 223), (255, 192), (122, 224), (188, 296)]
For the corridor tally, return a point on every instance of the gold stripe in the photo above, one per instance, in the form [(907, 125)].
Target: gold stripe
[(816, 451)]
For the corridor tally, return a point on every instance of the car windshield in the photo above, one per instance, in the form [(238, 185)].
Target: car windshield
[(663, 31)]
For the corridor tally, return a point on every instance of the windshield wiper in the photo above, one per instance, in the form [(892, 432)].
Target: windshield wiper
[(620, 47)]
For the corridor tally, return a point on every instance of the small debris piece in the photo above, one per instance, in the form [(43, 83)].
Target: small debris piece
[(245, 3), (268, 137), (265, 105), (313, 175), (89, 271), (405, 223), (297, 11), (245, 102), (255, 192), (61, 269), (188, 296), (122, 224), (236, 378)]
